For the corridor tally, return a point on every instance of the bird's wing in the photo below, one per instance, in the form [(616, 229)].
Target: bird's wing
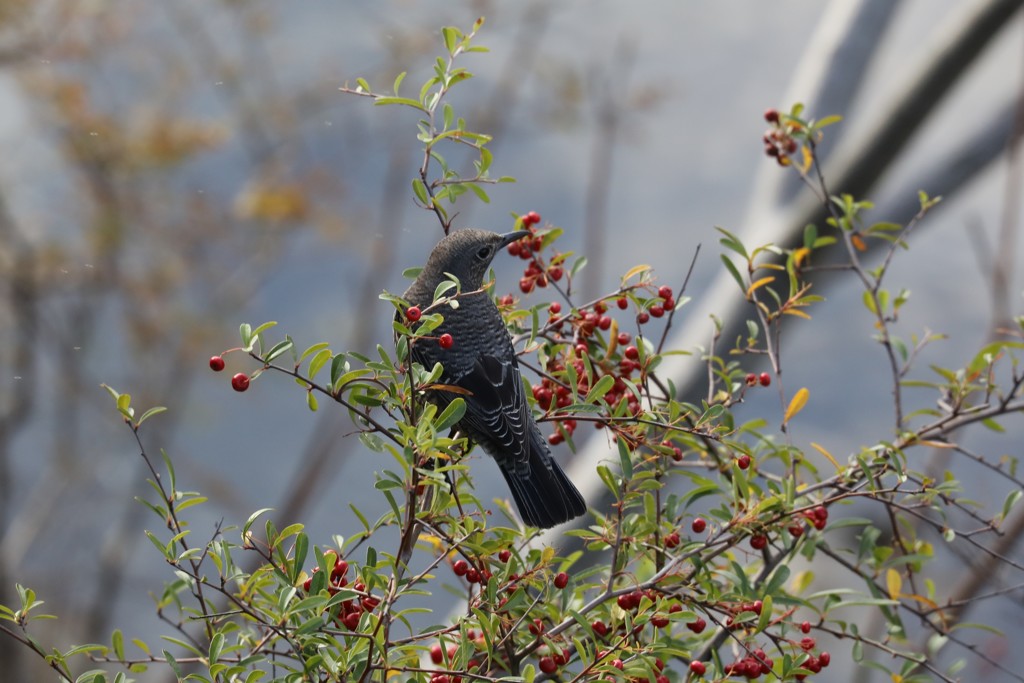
[(497, 407)]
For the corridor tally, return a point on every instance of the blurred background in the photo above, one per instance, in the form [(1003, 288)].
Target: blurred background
[(173, 169)]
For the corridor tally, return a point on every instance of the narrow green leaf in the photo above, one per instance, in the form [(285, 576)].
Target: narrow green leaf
[(277, 350), (155, 410), (624, 458), (731, 267), (453, 412)]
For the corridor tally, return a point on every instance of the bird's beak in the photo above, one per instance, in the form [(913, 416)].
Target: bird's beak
[(511, 237)]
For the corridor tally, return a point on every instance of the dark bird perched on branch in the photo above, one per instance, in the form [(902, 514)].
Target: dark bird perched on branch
[(480, 360)]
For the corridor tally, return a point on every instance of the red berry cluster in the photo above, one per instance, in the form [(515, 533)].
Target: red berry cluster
[(778, 140), (472, 574), (353, 609), (754, 665), (817, 516), (437, 656), (240, 382), (537, 272), (764, 379)]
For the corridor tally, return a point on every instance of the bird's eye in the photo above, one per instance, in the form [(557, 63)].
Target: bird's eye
[(483, 253)]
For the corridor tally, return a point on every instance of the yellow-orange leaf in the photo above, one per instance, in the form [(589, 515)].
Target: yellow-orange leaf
[(858, 242), (808, 159), (800, 255), (797, 312), (759, 283), (821, 449), (924, 601), (893, 583), (796, 404), (635, 270)]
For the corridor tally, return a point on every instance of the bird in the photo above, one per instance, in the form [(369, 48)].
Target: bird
[(481, 364)]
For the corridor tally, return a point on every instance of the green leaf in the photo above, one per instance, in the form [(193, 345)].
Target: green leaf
[(420, 190), (453, 412), (624, 458), (155, 410), (731, 267), (388, 99), (277, 350), (117, 641), (602, 387), (252, 518), (318, 362), (398, 81)]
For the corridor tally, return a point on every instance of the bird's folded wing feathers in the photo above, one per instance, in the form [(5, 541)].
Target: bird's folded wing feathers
[(498, 405)]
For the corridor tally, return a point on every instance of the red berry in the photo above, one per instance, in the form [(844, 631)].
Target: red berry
[(631, 353), (514, 248), (665, 292), (555, 308), (555, 438), (697, 668), (216, 363), (795, 530), (526, 285), (599, 627), (642, 317), (743, 462), (623, 338), (807, 643), (659, 621), (351, 621), (240, 382), (751, 379), (622, 302), (771, 115), (672, 540), (824, 659), (413, 313), (340, 569), (675, 607), (460, 567), (537, 244), (758, 541), (604, 322), (532, 218), (561, 580), (699, 525), (505, 555), (756, 606), (445, 341), (547, 665), (307, 584), (436, 654), (473, 575), (805, 627), (537, 627), (555, 273), (625, 601), (662, 678), (698, 625), (657, 311), (618, 664), (765, 379)]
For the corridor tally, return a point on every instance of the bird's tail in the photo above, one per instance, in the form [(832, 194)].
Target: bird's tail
[(544, 495)]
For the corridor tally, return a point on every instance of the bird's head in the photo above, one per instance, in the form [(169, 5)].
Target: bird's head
[(467, 254)]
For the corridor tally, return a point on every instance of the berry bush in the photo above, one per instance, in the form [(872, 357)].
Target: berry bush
[(681, 571)]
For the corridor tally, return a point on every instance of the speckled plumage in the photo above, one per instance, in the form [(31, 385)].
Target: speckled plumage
[(483, 361)]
